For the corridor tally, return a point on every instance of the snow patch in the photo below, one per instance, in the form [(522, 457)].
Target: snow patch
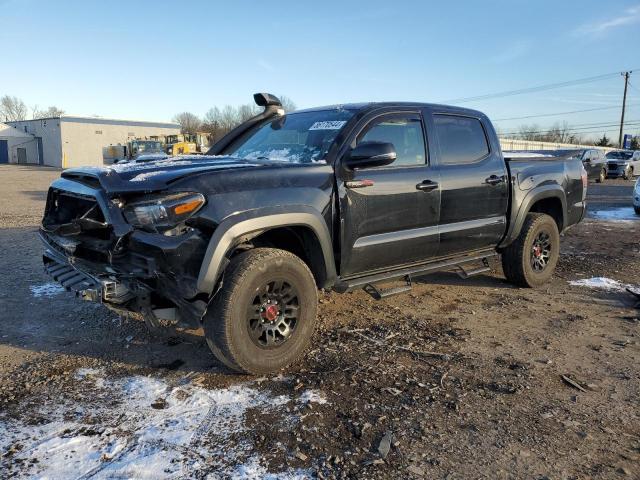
[(46, 290), (141, 177), (144, 428), (521, 154), (603, 283), (622, 214), (151, 156), (311, 396)]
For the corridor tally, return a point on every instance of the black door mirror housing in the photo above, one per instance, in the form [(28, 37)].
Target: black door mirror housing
[(371, 154)]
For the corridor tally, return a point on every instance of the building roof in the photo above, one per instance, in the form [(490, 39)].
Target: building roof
[(11, 131), (100, 121)]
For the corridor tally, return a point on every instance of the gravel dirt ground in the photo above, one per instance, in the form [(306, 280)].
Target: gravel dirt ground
[(456, 379)]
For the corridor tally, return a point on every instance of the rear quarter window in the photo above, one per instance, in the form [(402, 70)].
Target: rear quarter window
[(462, 140)]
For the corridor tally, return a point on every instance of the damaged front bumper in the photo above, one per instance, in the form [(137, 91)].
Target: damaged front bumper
[(125, 269)]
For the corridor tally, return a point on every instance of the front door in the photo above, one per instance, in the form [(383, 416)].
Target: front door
[(390, 214), (4, 151), (22, 155), (473, 183)]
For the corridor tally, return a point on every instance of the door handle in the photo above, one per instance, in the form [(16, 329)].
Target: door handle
[(427, 186), (494, 180)]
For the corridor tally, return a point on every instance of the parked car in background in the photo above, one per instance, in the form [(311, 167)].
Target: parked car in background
[(594, 162), (636, 197), (623, 163)]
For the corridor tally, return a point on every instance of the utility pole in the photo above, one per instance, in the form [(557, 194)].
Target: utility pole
[(624, 104)]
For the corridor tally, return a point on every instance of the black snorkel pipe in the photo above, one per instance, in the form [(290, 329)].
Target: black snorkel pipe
[(272, 107)]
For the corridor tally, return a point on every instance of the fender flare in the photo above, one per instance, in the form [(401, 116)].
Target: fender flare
[(233, 228), (535, 195)]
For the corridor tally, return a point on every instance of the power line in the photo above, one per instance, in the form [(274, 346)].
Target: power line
[(634, 88), (538, 88), (566, 113)]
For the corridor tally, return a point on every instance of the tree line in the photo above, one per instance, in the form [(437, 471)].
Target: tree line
[(217, 121), (562, 132), (13, 109)]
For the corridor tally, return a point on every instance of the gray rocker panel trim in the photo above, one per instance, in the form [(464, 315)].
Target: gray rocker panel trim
[(237, 226), (393, 237)]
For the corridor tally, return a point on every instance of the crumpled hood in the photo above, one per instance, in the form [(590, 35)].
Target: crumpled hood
[(153, 175)]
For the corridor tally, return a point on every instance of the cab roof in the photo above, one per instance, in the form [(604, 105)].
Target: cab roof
[(365, 106)]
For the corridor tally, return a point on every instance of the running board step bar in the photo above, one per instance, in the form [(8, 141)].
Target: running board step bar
[(350, 284), (380, 294), (464, 273)]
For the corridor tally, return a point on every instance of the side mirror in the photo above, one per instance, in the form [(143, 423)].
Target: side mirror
[(371, 154)]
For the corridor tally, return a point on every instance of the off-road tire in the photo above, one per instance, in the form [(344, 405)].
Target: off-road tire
[(517, 257), (602, 176), (226, 321)]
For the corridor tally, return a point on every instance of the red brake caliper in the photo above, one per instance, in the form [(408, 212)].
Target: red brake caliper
[(270, 313)]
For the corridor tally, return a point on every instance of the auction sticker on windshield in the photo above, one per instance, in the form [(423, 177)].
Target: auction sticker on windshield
[(329, 125)]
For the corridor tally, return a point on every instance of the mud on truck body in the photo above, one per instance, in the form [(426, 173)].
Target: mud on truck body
[(239, 241)]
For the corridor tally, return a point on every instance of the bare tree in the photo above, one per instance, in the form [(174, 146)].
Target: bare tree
[(557, 133), (219, 121), (50, 112), (288, 104), (245, 112), (12, 109), (189, 122)]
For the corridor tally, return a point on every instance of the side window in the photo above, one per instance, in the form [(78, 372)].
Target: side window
[(462, 139), (404, 132)]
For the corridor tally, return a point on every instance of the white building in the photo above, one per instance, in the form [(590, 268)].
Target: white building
[(78, 141), (17, 146)]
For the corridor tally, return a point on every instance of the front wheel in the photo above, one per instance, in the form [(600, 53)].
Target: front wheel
[(637, 209), (264, 315), (602, 177), (628, 173), (531, 259)]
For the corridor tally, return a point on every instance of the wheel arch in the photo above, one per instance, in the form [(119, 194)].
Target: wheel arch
[(303, 232), (549, 199)]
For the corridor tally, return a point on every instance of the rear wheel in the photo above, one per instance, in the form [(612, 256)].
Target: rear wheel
[(263, 318), (531, 259), (637, 209)]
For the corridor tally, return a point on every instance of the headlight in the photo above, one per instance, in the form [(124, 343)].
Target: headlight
[(164, 211)]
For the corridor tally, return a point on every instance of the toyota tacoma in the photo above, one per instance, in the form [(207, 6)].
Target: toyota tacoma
[(356, 196)]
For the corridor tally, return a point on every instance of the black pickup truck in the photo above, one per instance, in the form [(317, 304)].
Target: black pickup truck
[(344, 197)]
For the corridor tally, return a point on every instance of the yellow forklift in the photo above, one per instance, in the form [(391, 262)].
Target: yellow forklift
[(186, 143)]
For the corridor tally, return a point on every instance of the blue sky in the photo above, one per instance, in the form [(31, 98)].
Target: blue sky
[(150, 60)]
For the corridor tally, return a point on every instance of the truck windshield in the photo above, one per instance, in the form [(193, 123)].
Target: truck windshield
[(303, 137)]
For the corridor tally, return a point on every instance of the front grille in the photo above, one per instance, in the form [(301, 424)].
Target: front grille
[(70, 214)]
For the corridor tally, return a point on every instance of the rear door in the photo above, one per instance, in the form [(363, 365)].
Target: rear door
[(474, 188), (389, 215)]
